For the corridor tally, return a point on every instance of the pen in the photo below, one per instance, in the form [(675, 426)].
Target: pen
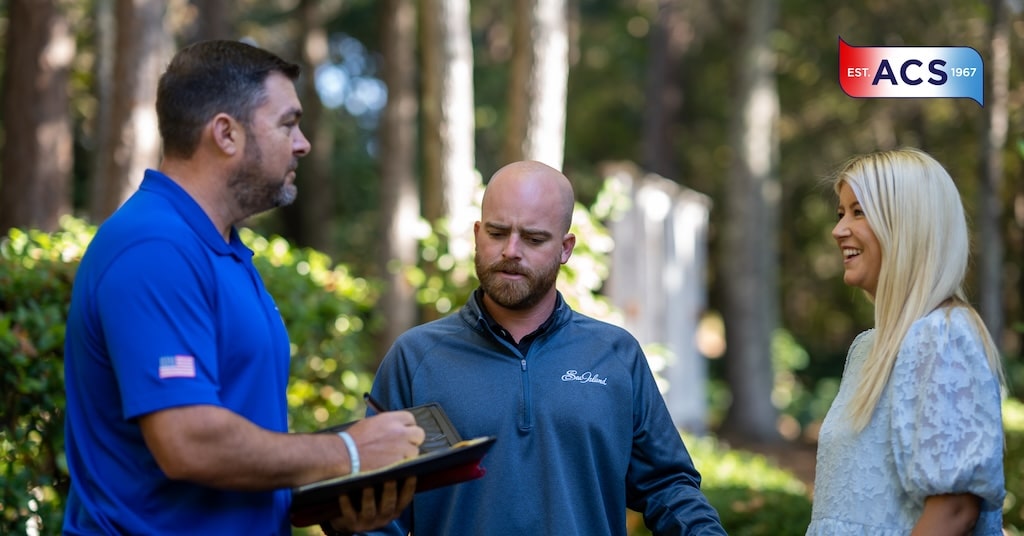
[(373, 403)]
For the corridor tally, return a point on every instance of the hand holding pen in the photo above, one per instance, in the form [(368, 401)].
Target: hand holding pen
[(386, 437), (372, 403)]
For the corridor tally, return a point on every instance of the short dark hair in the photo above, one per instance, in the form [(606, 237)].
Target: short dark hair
[(211, 77)]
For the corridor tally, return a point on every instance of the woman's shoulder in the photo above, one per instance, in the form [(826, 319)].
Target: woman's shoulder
[(948, 333), (952, 322), (863, 337), (861, 343)]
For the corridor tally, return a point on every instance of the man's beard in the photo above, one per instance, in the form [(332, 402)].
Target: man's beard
[(518, 294), (254, 191)]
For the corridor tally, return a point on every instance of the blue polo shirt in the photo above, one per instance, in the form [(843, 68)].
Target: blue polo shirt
[(165, 313)]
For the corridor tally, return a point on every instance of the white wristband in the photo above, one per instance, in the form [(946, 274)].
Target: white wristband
[(353, 452)]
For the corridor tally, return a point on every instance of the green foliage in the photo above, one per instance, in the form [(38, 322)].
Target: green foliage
[(802, 399), (36, 271), (326, 311), (753, 496), (801, 403), (446, 276), (788, 357)]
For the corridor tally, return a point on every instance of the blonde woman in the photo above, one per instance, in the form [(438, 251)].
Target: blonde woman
[(913, 443)]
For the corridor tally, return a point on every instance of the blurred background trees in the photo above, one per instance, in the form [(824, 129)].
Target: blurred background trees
[(411, 105)]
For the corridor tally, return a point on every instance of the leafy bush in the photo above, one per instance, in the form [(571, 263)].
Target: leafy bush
[(327, 311), (753, 496), (36, 271)]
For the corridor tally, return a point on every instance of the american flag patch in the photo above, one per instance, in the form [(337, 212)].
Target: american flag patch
[(177, 366)]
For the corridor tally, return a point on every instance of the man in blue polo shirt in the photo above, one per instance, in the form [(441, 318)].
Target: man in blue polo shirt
[(176, 358)]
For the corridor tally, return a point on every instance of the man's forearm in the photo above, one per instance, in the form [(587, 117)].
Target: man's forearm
[(215, 447)]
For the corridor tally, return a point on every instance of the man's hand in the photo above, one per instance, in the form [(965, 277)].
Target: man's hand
[(372, 515), (386, 438)]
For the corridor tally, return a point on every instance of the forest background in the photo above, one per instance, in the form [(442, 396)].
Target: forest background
[(411, 105)]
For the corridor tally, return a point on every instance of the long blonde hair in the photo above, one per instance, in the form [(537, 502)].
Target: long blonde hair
[(915, 211)]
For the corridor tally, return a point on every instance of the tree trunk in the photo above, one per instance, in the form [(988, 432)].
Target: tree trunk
[(399, 202), (449, 178), (103, 73), (539, 81), (214, 20), (132, 141), (990, 220), (35, 185), (664, 92), (749, 243), (309, 219)]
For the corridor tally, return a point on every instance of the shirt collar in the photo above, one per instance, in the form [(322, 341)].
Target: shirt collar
[(478, 297), (156, 182)]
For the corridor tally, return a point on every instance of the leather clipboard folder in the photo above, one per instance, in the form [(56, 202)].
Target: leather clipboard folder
[(444, 459)]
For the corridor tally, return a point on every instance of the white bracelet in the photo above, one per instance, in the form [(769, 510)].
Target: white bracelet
[(353, 452)]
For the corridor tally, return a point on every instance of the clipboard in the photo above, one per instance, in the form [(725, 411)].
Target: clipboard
[(444, 459)]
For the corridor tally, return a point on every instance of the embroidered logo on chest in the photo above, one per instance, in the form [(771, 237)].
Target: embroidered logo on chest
[(586, 377)]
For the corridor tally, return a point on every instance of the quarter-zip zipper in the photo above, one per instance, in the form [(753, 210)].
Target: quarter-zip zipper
[(526, 423), (525, 419)]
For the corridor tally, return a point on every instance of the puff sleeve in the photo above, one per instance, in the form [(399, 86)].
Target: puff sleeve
[(946, 415)]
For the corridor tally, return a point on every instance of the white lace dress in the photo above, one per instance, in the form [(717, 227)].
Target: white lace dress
[(937, 429)]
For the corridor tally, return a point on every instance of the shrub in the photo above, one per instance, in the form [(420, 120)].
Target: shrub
[(327, 311), (753, 496), (36, 271)]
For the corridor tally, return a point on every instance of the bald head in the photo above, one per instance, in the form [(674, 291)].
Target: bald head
[(532, 184), (522, 239)]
